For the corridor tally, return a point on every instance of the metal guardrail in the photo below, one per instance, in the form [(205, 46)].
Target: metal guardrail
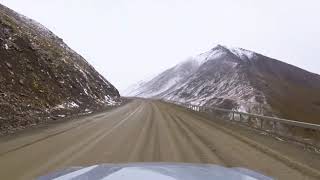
[(312, 138)]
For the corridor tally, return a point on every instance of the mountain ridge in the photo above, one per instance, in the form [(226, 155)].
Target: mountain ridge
[(242, 80)]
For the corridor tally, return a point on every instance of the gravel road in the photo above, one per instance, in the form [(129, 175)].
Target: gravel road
[(140, 131)]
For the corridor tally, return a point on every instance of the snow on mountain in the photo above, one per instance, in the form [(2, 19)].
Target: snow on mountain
[(134, 88), (165, 81), (41, 78), (242, 53), (239, 79)]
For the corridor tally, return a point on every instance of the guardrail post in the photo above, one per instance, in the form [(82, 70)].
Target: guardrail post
[(240, 117), (274, 127)]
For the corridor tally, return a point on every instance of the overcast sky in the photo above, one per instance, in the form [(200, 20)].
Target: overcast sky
[(128, 40)]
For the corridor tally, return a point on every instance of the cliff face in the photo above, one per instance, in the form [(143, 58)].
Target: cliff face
[(242, 80), (42, 78)]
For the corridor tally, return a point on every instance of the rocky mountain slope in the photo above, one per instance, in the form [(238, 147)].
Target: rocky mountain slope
[(41, 78), (239, 79)]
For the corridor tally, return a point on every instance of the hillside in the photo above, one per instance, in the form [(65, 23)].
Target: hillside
[(239, 79), (41, 78)]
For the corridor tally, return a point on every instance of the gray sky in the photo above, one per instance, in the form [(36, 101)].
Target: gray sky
[(128, 40)]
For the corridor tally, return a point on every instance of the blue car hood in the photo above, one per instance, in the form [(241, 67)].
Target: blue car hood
[(155, 171)]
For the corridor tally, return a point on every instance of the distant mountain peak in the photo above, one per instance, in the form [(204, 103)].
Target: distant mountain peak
[(239, 79), (214, 53), (220, 52)]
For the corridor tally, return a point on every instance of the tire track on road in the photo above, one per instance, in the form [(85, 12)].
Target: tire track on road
[(75, 150), (141, 150), (169, 151), (238, 145), (206, 151), (84, 122)]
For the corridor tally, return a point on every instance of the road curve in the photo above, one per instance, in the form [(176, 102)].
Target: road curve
[(140, 131)]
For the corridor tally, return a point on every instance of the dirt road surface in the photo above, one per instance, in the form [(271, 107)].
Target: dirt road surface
[(140, 131)]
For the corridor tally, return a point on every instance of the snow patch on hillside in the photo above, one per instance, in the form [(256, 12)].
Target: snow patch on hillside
[(67, 105), (110, 101), (135, 88), (164, 88), (214, 53), (242, 53)]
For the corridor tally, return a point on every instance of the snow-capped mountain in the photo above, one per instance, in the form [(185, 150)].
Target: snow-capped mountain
[(163, 82), (236, 78), (42, 78)]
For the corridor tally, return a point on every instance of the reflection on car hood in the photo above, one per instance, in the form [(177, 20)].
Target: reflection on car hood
[(155, 171)]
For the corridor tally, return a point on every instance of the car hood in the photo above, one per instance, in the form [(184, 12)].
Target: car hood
[(155, 171)]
